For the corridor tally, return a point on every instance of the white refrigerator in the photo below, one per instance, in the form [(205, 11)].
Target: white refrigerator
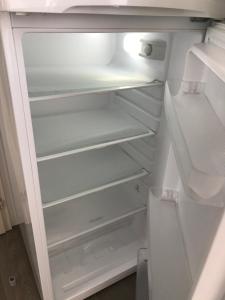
[(112, 130)]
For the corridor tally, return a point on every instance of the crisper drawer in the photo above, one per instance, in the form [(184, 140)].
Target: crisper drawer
[(86, 265)]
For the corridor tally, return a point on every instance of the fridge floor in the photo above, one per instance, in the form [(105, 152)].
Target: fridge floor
[(124, 289), (85, 267), (14, 261)]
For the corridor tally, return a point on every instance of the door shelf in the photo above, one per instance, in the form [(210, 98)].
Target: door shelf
[(97, 89), (67, 178), (98, 260), (72, 220), (199, 141), (212, 56), (66, 134)]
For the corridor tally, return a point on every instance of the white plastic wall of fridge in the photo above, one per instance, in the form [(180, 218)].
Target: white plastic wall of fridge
[(199, 224), (211, 283), (212, 8), (168, 264)]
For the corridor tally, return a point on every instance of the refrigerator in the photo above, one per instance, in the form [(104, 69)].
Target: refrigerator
[(112, 134)]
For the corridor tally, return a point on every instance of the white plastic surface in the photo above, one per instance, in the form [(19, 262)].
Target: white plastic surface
[(211, 283), (64, 178), (212, 56), (200, 7), (168, 263), (101, 258), (199, 224), (196, 119), (199, 142)]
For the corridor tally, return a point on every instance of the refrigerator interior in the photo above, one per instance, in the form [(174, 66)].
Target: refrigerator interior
[(95, 105), (101, 142)]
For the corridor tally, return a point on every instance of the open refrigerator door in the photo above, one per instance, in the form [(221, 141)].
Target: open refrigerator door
[(186, 208)]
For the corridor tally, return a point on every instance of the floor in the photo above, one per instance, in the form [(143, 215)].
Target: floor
[(14, 262), (122, 290)]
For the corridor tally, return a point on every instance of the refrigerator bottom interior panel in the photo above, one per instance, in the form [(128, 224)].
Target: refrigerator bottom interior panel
[(89, 264)]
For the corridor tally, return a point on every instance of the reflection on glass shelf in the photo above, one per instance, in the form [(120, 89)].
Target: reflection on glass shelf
[(59, 135), (46, 84), (70, 177)]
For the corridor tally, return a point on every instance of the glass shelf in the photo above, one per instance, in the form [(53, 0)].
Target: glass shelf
[(75, 219), (64, 134), (70, 177), (55, 83)]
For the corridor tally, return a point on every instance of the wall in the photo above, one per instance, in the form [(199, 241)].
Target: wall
[(67, 49)]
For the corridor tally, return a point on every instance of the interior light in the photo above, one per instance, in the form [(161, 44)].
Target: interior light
[(137, 46), (132, 44)]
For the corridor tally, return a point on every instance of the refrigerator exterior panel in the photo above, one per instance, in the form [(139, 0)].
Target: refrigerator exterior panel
[(34, 231), (200, 8)]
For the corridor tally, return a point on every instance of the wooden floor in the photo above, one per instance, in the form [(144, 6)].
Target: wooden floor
[(122, 290), (14, 262)]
